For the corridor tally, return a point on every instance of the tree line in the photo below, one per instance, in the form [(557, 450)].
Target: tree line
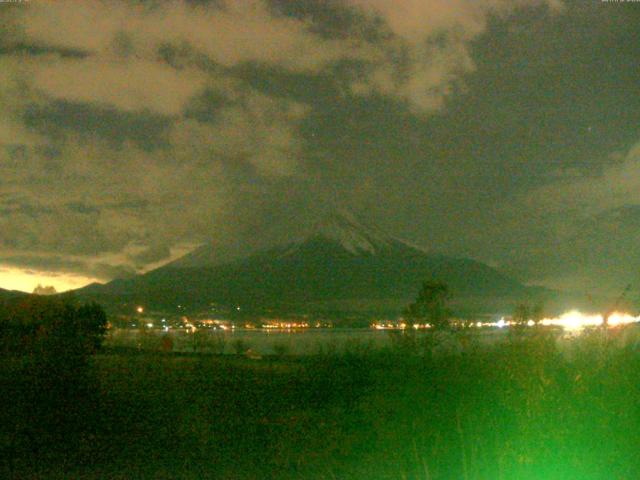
[(431, 306), (41, 325)]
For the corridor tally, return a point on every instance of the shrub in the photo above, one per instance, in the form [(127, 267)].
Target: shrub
[(51, 327)]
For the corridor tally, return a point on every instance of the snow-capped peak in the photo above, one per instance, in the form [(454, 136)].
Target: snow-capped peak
[(345, 229)]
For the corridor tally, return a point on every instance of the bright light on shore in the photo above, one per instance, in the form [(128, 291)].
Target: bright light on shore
[(570, 321), (574, 320)]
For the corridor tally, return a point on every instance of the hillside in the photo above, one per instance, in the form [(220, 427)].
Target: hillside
[(339, 262)]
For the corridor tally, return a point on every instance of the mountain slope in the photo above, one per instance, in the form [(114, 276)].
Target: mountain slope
[(5, 294), (339, 260)]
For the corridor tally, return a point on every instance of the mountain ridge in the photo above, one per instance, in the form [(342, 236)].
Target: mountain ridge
[(339, 259)]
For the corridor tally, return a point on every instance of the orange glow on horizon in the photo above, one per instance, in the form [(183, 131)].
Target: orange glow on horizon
[(13, 278)]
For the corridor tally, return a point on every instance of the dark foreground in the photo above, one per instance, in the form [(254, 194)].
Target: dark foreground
[(517, 410)]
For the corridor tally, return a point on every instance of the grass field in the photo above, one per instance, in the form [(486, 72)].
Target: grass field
[(515, 410)]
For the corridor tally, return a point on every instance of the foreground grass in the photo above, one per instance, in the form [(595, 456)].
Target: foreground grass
[(516, 410)]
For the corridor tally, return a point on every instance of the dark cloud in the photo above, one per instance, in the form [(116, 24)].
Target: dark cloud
[(151, 255), (504, 131), (82, 208), (49, 263), (144, 129), (14, 206), (25, 49)]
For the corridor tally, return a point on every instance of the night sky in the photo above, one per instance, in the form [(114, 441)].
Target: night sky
[(502, 130)]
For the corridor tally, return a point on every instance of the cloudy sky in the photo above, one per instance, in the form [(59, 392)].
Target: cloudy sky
[(503, 130)]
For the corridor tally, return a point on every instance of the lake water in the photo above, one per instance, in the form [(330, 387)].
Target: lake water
[(319, 340), (265, 342)]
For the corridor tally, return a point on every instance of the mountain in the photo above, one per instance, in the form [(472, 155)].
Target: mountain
[(340, 265), (7, 294)]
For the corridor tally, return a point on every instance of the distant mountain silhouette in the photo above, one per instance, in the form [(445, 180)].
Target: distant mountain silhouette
[(340, 261), (7, 294)]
